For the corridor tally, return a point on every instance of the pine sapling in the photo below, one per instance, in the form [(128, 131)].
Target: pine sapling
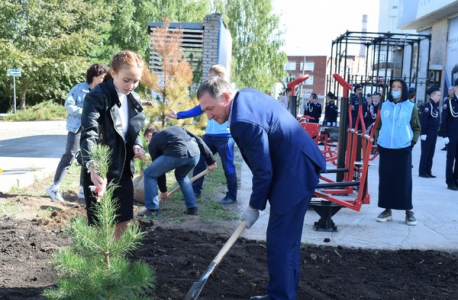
[(95, 266)]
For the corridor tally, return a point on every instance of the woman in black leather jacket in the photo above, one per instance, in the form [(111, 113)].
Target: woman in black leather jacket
[(112, 116)]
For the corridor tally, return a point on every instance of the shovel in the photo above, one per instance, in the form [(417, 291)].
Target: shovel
[(203, 173), (197, 287)]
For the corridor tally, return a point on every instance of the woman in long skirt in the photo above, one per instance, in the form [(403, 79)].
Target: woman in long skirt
[(396, 134)]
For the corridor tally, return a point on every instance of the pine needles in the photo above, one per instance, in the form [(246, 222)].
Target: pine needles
[(95, 266)]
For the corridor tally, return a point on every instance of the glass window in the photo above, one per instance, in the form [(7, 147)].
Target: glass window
[(309, 81), (290, 66)]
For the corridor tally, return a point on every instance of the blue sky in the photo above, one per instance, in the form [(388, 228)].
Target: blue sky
[(312, 25)]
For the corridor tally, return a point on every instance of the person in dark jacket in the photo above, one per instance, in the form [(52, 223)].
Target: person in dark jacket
[(449, 132), (112, 116), (330, 111), (429, 122), (173, 148), (314, 109), (218, 138), (356, 100), (286, 165), (373, 109), (396, 134)]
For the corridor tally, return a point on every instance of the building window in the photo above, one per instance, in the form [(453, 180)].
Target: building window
[(290, 66), (309, 66), (309, 81)]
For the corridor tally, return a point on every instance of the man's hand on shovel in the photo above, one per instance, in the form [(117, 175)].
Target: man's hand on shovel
[(250, 215)]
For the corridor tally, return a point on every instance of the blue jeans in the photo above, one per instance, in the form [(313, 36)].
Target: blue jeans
[(162, 165), (224, 145)]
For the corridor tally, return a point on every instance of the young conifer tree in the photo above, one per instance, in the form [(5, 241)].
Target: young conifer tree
[(174, 81), (95, 266)]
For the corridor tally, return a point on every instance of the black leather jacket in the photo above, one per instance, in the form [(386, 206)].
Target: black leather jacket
[(101, 124)]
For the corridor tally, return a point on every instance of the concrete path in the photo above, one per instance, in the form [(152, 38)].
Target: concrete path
[(29, 151)]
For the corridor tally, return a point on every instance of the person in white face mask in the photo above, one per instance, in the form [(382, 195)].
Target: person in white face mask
[(396, 134)]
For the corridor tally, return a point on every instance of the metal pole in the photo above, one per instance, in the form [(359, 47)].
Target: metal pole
[(14, 88), (342, 144)]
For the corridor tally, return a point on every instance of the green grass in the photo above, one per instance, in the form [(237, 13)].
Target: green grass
[(214, 189), (46, 110)]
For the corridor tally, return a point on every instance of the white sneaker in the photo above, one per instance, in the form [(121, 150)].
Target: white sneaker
[(55, 195), (81, 193)]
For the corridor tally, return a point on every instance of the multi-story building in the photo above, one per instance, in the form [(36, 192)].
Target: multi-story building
[(440, 20), (315, 67)]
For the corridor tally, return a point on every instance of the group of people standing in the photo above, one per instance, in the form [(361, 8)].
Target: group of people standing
[(284, 160), (369, 107)]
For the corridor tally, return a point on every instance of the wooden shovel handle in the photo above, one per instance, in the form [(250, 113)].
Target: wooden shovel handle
[(203, 173), (230, 242)]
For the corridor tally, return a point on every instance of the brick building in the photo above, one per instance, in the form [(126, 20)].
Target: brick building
[(315, 67), (203, 45)]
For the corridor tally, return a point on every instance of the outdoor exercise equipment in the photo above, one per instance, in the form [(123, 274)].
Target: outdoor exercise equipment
[(350, 188)]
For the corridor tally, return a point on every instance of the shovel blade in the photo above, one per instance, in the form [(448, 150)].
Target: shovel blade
[(195, 289)]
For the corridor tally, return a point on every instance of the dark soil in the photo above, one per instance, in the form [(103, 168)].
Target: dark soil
[(180, 254)]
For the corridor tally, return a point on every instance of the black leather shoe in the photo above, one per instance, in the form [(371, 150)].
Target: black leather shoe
[(452, 187), (424, 176), (266, 297), (193, 211), (432, 176), (146, 212)]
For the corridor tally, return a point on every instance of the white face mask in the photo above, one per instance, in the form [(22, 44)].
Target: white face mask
[(396, 94)]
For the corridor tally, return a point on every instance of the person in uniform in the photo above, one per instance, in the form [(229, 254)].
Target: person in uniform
[(356, 100), (449, 132), (451, 94), (314, 109), (373, 109), (330, 111), (429, 122)]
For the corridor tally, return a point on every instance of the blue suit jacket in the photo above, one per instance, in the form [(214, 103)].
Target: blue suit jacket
[(284, 160)]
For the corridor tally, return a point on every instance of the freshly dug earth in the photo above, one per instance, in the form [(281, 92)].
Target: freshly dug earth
[(180, 253)]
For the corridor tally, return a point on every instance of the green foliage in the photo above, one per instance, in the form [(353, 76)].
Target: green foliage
[(95, 266), (51, 42), (101, 155), (47, 110), (256, 41)]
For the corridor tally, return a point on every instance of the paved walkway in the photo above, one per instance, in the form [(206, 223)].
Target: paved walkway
[(435, 207), (30, 151)]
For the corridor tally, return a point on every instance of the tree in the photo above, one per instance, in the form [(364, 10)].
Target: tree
[(96, 266), (51, 42), (256, 41), (176, 76)]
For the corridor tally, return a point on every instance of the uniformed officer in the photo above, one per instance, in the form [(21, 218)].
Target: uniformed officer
[(451, 94), (314, 109), (429, 125), (449, 132), (330, 111), (373, 109), (356, 100)]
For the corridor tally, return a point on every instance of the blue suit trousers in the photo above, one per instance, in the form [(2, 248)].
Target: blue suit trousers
[(284, 234)]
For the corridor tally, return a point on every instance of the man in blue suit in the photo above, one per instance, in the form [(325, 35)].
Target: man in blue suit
[(285, 163)]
